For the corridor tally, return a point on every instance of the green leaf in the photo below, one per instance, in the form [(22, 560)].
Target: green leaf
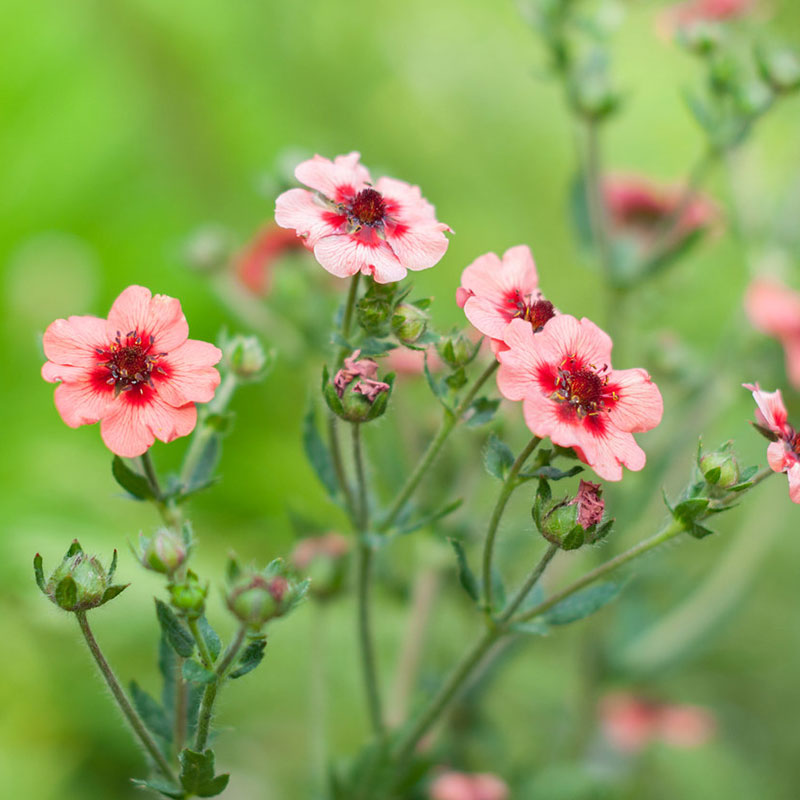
[(551, 473), (535, 627), (196, 673), (438, 387), (203, 474), (497, 457), (687, 511), (317, 453), (699, 531), (132, 482), (429, 519), (167, 789), (465, 574), (180, 639), (67, 593), (482, 411), (197, 769), (167, 666), (376, 347), (210, 637), (213, 787), (152, 715), (38, 572), (250, 658), (582, 604), (498, 588)]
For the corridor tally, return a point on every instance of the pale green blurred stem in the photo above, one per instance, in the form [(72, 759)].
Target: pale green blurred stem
[(451, 419), (594, 191), (128, 711), (210, 692), (507, 490), (318, 697)]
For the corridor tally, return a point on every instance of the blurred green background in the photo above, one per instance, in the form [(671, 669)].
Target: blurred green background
[(128, 124)]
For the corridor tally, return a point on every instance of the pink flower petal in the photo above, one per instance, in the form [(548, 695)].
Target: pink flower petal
[(772, 409), (419, 245), (571, 336), (338, 180), (190, 375), (773, 308), (406, 201), (794, 482), (158, 315), (521, 362), (640, 404), (777, 457), (85, 400), (75, 340), (312, 220), (344, 256)]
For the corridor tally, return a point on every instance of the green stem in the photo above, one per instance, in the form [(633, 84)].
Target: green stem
[(202, 647), (181, 701), (362, 508), (347, 317), (170, 513), (451, 419), (338, 465), (530, 582), (152, 476), (210, 692), (509, 485), (594, 192), (122, 701)]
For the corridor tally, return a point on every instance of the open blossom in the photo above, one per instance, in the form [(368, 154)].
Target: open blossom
[(253, 265), (783, 454), (136, 373), (465, 786), (570, 393), (639, 208), (774, 309), (495, 291), (353, 226)]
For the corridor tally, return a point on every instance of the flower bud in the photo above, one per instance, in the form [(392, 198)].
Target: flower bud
[(720, 467), (355, 394), (323, 560), (374, 310), (245, 357), (209, 249), (780, 68), (409, 323), (595, 98), (701, 38), (162, 552), (189, 596), (456, 350), (571, 523), (80, 581)]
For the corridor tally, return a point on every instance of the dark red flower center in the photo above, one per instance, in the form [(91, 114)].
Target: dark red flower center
[(536, 311), (581, 386), (368, 207), (130, 361)]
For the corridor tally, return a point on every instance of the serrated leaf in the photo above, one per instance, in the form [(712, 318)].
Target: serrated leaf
[(67, 593), (196, 673), (38, 572), (197, 769), (465, 574), (177, 635), (250, 658), (317, 453), (152, 714), (497, 458), (429, 519), (582, 604), (133, 483), (483, 410), (210, 637)]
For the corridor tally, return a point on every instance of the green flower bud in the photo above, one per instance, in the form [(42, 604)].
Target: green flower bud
[(720, 468), (409, 323), (572, 522), (80, 581), (245, 357), (189, 596), (456, 350), (162, 552), (780, 68)]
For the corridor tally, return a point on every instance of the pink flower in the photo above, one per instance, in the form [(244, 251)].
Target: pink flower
[(686, 726), (639, 208), (693, 11), (412, 362), (353, 226), (136, 373), (464, 786), (253, 265), (570, 393), (774, 309), (783, 454), (328, 546), (363, 372), (493, 292)]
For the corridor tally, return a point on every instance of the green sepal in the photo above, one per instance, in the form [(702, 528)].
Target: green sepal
[(497, 457), (113, 567), (232, 569), (574, 539), (543, 496), (179, 638), (74, 548), (38, 572), (66, 594), (196, 673), (136, 485), (112, 591), (465, 575), (251, 657)]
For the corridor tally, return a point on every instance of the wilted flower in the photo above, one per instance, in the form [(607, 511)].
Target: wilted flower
[(364, 372), (495, 291), (783, 453), (353, 226), (355, 394), (136, 372), (774, 309), (590, 504), (571, 522), (571, 394), (255, 262), (468, 786)]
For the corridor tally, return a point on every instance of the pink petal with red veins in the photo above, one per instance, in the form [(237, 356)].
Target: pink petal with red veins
[(158, 315), (640, 405), (338, 180), (462, 295), (53, 373), (418, 245), (777, 458), (85, 400), (772, 408), (345, 255), (486, 317), (794, 483), (190, 374), (520, 363), (406, 201), (616, 448), (298, 209), (772, 307), (569, 336), (74, 341)]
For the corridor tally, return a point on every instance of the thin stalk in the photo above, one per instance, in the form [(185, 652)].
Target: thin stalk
[(509, 485), (317, 696), (530, 582), (210, 692), (181, 707), (594, 196), (362, 508), (128, 711), (451, 419), (347, 317), (152, 476), (169, 512), (202, 647), (338, 465)]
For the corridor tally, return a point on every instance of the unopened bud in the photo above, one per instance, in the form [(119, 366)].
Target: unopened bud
[(374, 310), (409, 323), (189, 596), (456, 350), (162, 552), (780, 68), (245, 357), (720, 467), (571, 523)]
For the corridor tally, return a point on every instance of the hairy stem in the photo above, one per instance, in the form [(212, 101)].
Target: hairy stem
[(530, 582), (347, 316), (181, 700), (202, 647), (128, 711)]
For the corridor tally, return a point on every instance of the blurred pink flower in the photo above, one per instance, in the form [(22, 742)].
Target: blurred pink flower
[(328, 546), (136, 373), (630, 723), (495, 291), (353, 226), (639, 208), (466, 786), (253, 264), (570, 393), (404, 361), (692, 11), (783, 454), (774, 309)]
